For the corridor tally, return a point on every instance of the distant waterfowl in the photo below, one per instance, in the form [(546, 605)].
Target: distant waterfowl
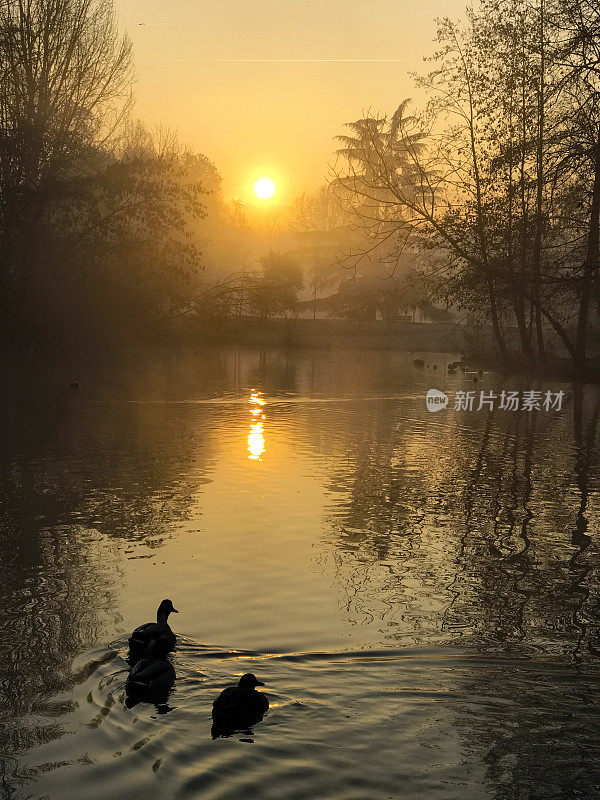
[(74, 385), (144, 639), (239, 707), (154, 675)]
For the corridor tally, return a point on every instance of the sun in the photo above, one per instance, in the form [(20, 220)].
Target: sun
[(264, 188)]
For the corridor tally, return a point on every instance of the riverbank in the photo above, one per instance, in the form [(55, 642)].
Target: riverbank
[(473, 346), (343, 334)]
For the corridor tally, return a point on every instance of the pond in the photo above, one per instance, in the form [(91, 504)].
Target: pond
[(419, 591)]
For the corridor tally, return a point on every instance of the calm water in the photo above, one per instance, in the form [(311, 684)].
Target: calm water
[(420, 592)]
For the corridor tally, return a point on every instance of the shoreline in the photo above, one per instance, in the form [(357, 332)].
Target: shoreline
[(472, 347)]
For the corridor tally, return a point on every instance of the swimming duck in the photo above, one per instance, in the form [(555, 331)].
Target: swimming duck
[(144, 639), (239, 707), (154, 675)]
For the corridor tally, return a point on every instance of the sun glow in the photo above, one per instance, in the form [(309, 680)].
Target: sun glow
[(256, 439), (264, 188)]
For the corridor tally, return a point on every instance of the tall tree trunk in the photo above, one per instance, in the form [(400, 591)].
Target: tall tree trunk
[(590, 268), (481, 224), (539, 211), (526, 335), (496, 322), (518, 302)]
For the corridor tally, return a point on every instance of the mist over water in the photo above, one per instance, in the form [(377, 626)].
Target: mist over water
[(418, 591)]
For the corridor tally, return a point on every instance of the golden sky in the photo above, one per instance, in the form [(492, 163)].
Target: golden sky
[(262, 86)]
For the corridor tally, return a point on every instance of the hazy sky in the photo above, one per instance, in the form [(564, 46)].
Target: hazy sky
[(262, 86)]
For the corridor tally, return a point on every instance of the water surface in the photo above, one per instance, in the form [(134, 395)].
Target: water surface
[(418, 591)]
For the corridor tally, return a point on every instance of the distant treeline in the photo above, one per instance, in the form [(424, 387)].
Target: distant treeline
[(485, 203), (109, 231)]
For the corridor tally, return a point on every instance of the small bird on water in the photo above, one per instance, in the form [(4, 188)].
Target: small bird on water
[(144, 639), (238, 707), (153, 675)]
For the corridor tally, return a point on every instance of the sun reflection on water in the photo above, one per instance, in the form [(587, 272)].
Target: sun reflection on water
[(256, 438)]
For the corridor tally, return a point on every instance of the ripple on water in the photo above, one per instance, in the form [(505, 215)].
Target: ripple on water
[(378, 524), (347, 725)]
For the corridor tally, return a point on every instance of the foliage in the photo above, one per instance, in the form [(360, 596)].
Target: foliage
[(275, 291), (487, 183), (97, 217)]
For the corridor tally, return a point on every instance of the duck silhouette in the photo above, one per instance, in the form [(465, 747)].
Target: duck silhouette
[(238, 707), (154, 674), (144, 639)]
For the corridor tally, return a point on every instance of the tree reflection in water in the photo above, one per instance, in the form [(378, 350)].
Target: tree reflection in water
[(470, 530), (76, 480), (509, 551)]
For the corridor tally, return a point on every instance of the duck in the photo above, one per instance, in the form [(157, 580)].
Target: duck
[(144, 639), (239, 707), (154, 675)]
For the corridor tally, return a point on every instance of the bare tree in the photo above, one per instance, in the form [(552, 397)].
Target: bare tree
[(489, 179), (65, 84), (579, 34)]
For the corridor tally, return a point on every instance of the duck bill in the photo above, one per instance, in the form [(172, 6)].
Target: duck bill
[(260, 683)]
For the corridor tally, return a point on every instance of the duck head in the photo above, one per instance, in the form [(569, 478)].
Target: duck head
[(164, 609), (248, 682)]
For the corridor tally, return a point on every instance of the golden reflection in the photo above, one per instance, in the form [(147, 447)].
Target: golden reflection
[(256, 438)]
